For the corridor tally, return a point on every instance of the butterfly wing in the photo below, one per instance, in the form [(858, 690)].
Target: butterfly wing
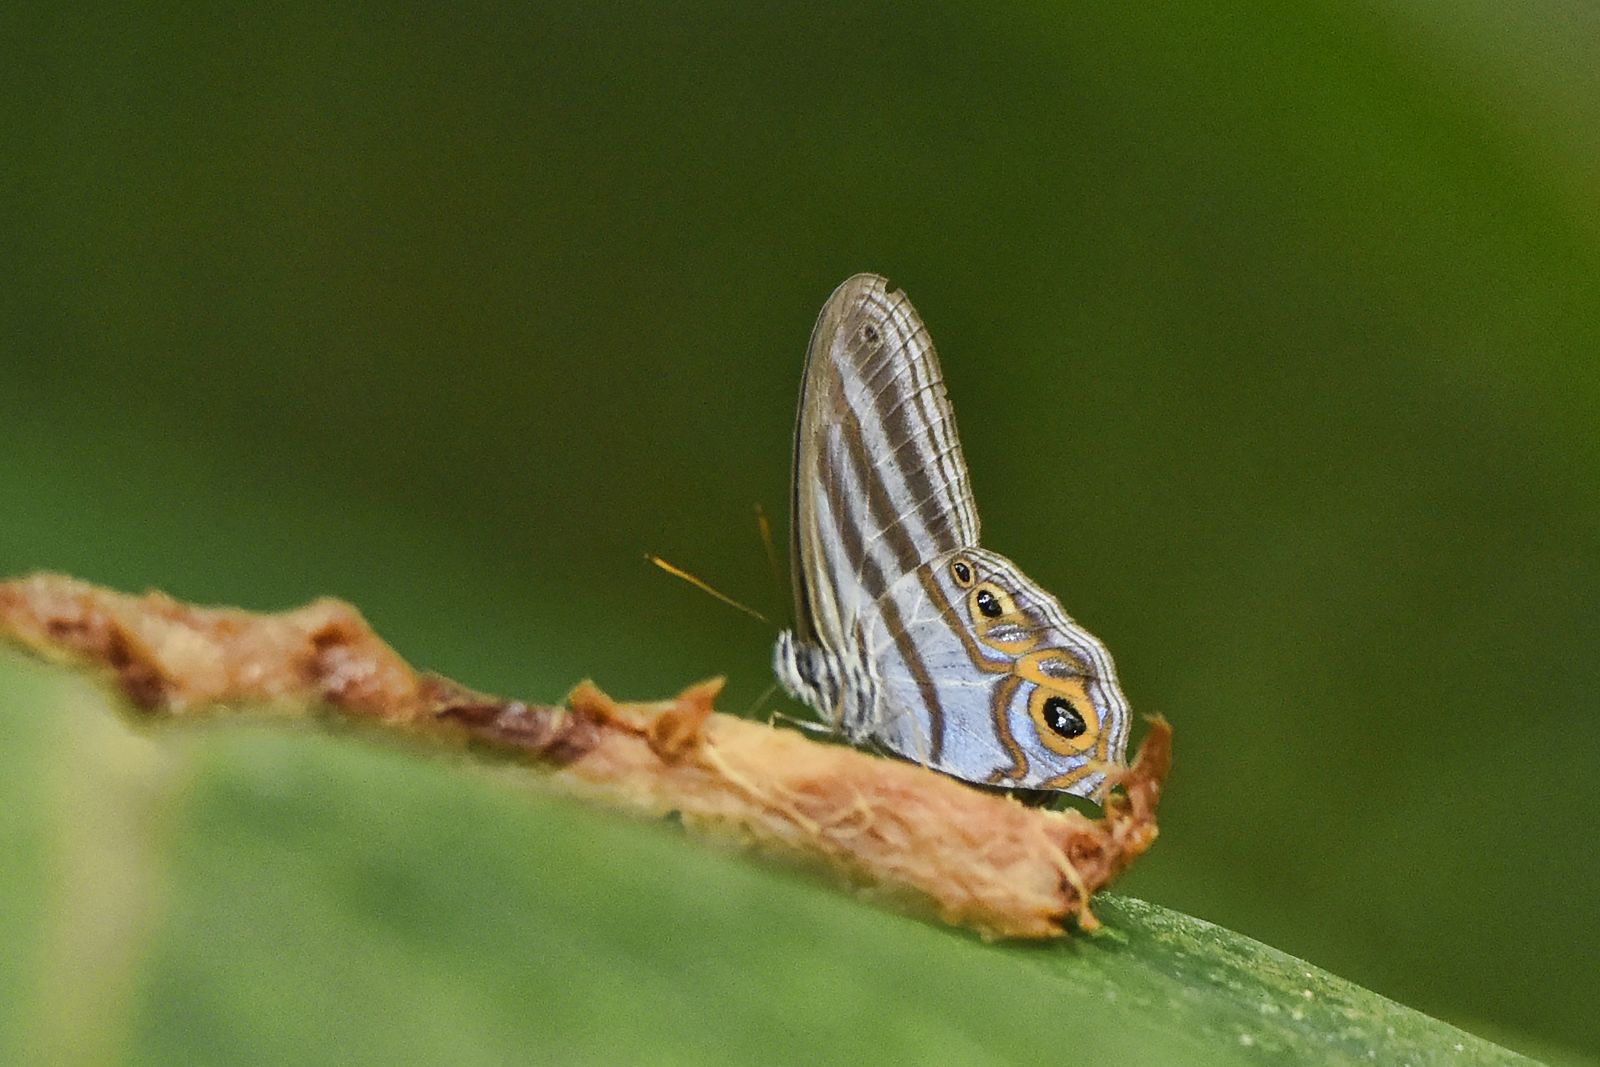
[(979, 673), (880, 486), (908, 634)]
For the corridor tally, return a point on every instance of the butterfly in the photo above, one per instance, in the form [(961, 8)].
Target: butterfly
[(908, 635)]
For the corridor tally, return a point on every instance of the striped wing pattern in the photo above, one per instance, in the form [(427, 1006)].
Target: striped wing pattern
[(879, 482), (907, 634)]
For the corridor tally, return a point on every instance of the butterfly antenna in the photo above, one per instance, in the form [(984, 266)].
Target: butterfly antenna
[(771, 548), (679, 572)]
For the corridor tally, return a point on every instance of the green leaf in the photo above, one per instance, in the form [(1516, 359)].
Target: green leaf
[(257, 893)]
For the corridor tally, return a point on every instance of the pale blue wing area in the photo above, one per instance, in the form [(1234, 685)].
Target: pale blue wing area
[(940, 697)]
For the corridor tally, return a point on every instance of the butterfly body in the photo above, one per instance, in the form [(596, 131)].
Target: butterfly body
[(909, 635)]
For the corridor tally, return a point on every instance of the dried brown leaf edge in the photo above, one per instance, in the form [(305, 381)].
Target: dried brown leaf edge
[(894, 829)]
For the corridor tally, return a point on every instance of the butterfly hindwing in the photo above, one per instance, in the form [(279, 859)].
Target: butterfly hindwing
[(979, 673)]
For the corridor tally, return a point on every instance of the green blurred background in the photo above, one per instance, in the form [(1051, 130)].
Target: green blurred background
[(1273, 333)]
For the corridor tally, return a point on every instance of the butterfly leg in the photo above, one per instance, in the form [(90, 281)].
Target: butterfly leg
[(809, 726)]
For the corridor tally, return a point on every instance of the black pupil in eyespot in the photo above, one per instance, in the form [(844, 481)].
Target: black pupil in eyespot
[(963, 573), (988, 603), (870, 333), (1063, 718)]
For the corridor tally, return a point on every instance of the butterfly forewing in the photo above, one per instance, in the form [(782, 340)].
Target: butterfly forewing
[(879, 482)]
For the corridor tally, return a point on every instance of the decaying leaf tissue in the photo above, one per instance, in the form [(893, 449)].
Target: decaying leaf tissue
[(893, 828)]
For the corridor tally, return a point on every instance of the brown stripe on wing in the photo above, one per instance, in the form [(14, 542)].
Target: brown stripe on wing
[(935, 477), (1069, 779), (1102, 746), (847, 530), (907, 650), (999, 706), (958, 626), (820, 402), (885, 524), (937, 416)]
